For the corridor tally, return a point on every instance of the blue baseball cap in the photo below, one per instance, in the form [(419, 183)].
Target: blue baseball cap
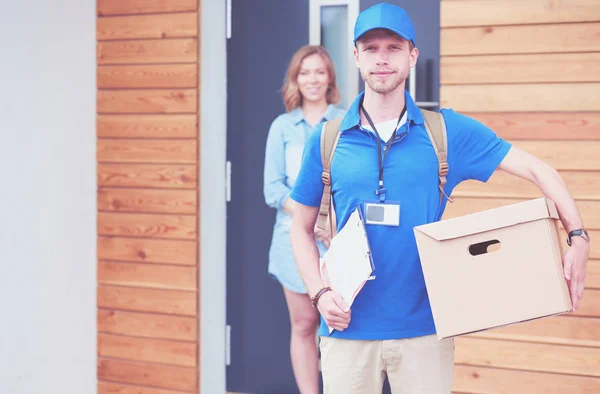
[(385, 16)]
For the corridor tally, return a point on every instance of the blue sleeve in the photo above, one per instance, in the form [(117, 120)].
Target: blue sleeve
[(275, 188), (309, 186), (474, 151)]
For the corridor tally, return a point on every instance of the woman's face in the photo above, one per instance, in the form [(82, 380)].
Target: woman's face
[(313, 78)]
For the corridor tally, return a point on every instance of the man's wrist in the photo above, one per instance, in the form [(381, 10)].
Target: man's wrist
[(577, 241), (313, 289), (578, 235), (314, 300)]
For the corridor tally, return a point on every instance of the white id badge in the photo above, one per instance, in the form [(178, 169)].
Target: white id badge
[(383, 214)]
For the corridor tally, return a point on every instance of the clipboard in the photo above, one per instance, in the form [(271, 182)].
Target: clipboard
[(348, 264)]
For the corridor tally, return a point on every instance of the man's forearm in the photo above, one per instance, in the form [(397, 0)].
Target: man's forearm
[(551, 184), (306, 255)]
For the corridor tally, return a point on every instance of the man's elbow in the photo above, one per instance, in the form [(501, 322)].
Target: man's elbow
[(299, 228), (303, 221), (542, 172)]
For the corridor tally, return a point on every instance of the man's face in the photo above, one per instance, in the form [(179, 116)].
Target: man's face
[(384, 59)]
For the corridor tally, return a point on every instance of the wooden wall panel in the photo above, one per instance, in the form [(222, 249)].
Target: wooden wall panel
[(155, 101), (504, 69), (147, 151), (147, 51), (543, 125), (119, 388), (147, 325), (147, 275), (119, 7), (147, 126), (151, 201), (490, 40), (147, 225), (565, 155), (529, 71), (590, 305), (573, 360), (148, 175), (484, 380), (589, 210), (147, 26), (145, 349), (147, 250), (146, 374), (148, 213), (148, 76), (173, 302), (583, 185), (592, 280), (516, 12), (565, 97), (562, 330)]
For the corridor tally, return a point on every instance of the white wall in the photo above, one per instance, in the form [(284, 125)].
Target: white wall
[(47, 197), (213, 210)]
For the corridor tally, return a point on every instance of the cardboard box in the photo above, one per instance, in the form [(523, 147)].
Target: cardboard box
[(493, 268)]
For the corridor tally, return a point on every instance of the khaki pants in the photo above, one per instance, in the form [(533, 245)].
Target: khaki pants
[(421, 365)]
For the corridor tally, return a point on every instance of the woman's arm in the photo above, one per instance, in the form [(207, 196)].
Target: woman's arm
[(275, 189)]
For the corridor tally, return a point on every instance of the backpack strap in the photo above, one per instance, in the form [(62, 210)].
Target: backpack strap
[(436, 129), (330, 135)]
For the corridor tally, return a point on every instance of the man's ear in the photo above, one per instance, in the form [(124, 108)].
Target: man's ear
[(356, 55), (414, 55)]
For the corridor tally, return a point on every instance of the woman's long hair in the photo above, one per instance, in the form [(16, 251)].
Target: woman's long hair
[(290, 91)]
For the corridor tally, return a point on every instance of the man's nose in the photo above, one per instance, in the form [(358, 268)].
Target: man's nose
[(382, 58)]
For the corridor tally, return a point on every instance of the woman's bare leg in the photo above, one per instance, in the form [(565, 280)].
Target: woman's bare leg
[(303, 346)]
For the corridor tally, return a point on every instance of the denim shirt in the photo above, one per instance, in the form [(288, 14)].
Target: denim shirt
[(283, 156)]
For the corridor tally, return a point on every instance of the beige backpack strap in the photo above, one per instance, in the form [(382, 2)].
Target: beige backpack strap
[(330, 136), (436, 129)]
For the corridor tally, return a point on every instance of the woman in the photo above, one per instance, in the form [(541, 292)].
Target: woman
[(309, 92)]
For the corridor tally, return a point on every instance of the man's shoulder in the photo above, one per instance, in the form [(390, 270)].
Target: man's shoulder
[(460, 126), (452, 117), (456, 120)]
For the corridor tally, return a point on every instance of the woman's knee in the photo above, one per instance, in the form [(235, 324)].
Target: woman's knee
[(305, 325)]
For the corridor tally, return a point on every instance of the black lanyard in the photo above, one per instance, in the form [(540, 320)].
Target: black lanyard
[(381, 160)]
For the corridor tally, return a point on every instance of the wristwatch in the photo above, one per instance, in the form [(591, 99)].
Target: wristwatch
[(578, 233)]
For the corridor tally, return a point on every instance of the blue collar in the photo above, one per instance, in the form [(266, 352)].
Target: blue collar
[(296, 115), (352, 118)]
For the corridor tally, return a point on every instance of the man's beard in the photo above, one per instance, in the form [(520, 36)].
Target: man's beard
[(382, 85)]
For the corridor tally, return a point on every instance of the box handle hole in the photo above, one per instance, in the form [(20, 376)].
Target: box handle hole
[(485, 247)]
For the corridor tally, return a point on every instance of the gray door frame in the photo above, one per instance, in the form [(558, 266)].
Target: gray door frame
[(212, 222)]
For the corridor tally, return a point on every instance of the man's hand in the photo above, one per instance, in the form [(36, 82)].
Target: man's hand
[(334, 310), (323, 236), (575, 266)]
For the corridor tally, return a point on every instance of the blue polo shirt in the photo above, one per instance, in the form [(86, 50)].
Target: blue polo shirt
[(395, 304)]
